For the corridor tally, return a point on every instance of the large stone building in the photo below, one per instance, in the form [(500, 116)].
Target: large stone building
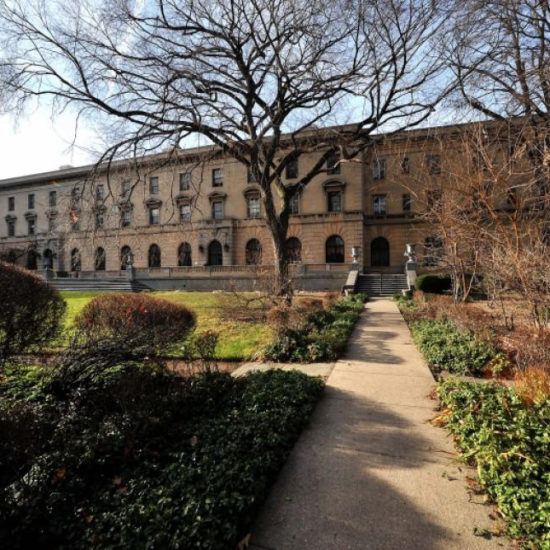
[(194, 219)]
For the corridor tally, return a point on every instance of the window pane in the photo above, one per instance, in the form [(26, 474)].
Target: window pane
[(185, 181), (406, 200), (217, 177), (217, 210), (334, 201), (154, 185), (379, 205), (154, 216), (31, 201), (11, 203), (185, 212), (292, 169), (53, 198), (253, 207), (379, 169)]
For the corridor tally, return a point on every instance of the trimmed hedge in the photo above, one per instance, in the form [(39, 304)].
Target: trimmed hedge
[(144, 458), (137, 320), (447, 348), (509, 443), (434, 284), (324, 335), (31, 311)]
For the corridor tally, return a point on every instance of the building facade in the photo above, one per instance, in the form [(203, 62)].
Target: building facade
[(196, 215)]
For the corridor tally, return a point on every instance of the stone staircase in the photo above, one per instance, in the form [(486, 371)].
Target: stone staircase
[(381, 284), (98, 285)]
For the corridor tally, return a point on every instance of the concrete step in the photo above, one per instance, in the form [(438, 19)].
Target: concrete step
[(386, 284), (98, 285)]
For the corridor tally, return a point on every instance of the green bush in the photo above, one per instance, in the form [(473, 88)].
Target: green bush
[(323, 336), (434, 284), (144, 458), (31, 311), (446, 348), (509, 442), (136, 320)]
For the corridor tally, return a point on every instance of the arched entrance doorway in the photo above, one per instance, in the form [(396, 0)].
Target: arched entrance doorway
[(380, 252), (32, 259), (215, 254)]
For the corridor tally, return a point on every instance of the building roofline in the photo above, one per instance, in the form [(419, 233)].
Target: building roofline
[(63, 174)]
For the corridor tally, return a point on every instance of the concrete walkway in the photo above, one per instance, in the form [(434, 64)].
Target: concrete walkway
[(371, 472)]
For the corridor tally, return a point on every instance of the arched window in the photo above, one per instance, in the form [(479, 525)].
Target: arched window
[(47, 258), (126, 257), (215, 254), (99, 261), (184, 255), (380, 252), (76, 262), (334, 248), (154, 256), (294, 249), (253, 252), (32, 259)]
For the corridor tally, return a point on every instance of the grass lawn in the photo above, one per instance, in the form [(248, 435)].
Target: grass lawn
[(238, 339)]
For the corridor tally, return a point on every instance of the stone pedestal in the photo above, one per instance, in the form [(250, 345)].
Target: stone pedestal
[(410, 272)]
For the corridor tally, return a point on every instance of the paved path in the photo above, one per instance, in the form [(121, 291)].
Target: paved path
[(371, 472)]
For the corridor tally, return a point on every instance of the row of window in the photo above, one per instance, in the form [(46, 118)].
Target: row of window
[(31, 201), (291, 170), (379, 166), (334, 252)]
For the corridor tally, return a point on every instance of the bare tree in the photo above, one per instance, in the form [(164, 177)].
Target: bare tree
[(253, 77), (500, 55), (484, 222)]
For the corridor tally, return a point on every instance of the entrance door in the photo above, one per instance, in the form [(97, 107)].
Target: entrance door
[(380, 252), (215, 255)]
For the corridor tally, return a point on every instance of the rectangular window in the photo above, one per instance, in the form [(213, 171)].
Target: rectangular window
[(334, 201), (185, 212), (433, 199), (53, 199), (31, 201), (154, 216), (406, 165), (250, 176), (11, 204), (217, 177), (100, 192), (253, 206), (75, 195), (379, 169), (32, 226), (185, 181), (125, 189), (153, 185), (434, 164), (51, 223), (406, 202), (217, 210), (379, 205), (126, 218), (11, 228), (292, 169), (99, 220), (333, 163), (295, 204)]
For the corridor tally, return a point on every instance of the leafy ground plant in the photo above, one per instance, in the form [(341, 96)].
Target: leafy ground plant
[(137, 457), (447, 348), (322, 337), (508, 440)]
